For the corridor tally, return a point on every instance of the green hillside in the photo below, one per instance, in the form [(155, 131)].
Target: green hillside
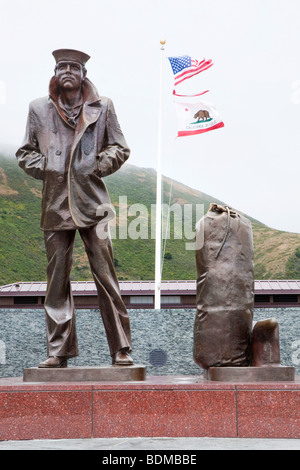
[(22, 254)]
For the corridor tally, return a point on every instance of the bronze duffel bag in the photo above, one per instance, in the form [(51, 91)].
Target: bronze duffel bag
[(225, 290)]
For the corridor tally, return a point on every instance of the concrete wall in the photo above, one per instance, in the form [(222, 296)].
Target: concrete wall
[(162, 339)]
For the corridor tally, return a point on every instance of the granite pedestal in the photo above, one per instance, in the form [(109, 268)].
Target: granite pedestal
[(159, 406)]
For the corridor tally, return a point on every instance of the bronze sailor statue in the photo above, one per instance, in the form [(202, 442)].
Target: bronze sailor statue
[(73, 140)]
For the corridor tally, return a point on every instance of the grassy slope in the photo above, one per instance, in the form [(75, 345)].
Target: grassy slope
[(22, 254)]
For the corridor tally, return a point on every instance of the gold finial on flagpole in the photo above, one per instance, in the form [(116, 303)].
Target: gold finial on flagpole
[(163, 42)]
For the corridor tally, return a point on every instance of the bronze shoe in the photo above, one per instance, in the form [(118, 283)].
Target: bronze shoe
[(122, 358), (54, 362)]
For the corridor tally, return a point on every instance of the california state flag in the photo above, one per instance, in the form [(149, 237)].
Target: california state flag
[(196, 117)]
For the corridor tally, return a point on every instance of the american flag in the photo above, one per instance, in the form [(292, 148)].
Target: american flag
[(185, 67)]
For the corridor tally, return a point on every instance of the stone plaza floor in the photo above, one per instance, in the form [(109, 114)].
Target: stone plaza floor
[(154, 444)]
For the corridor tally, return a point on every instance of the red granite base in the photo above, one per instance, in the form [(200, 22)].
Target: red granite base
[(160, 406)]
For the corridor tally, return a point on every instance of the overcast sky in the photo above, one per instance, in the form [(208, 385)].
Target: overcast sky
[(252, 163)]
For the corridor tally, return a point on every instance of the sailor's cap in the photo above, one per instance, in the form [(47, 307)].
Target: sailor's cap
[(70, 55)]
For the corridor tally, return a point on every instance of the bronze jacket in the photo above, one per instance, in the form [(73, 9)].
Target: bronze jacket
[(71, 161)]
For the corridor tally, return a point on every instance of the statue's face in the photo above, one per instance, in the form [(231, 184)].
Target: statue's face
[(69, 75)]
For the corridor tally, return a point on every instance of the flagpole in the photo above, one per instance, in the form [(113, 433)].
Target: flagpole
[(157, 297)]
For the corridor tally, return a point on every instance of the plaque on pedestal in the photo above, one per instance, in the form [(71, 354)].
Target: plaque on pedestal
[(86, 374)]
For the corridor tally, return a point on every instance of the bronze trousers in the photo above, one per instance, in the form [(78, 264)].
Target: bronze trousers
[(59, 305)]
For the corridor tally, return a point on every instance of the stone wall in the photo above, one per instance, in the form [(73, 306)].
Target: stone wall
[(162, 339)]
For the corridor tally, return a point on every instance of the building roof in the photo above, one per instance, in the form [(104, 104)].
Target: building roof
[(145, 288), (277, 287)]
